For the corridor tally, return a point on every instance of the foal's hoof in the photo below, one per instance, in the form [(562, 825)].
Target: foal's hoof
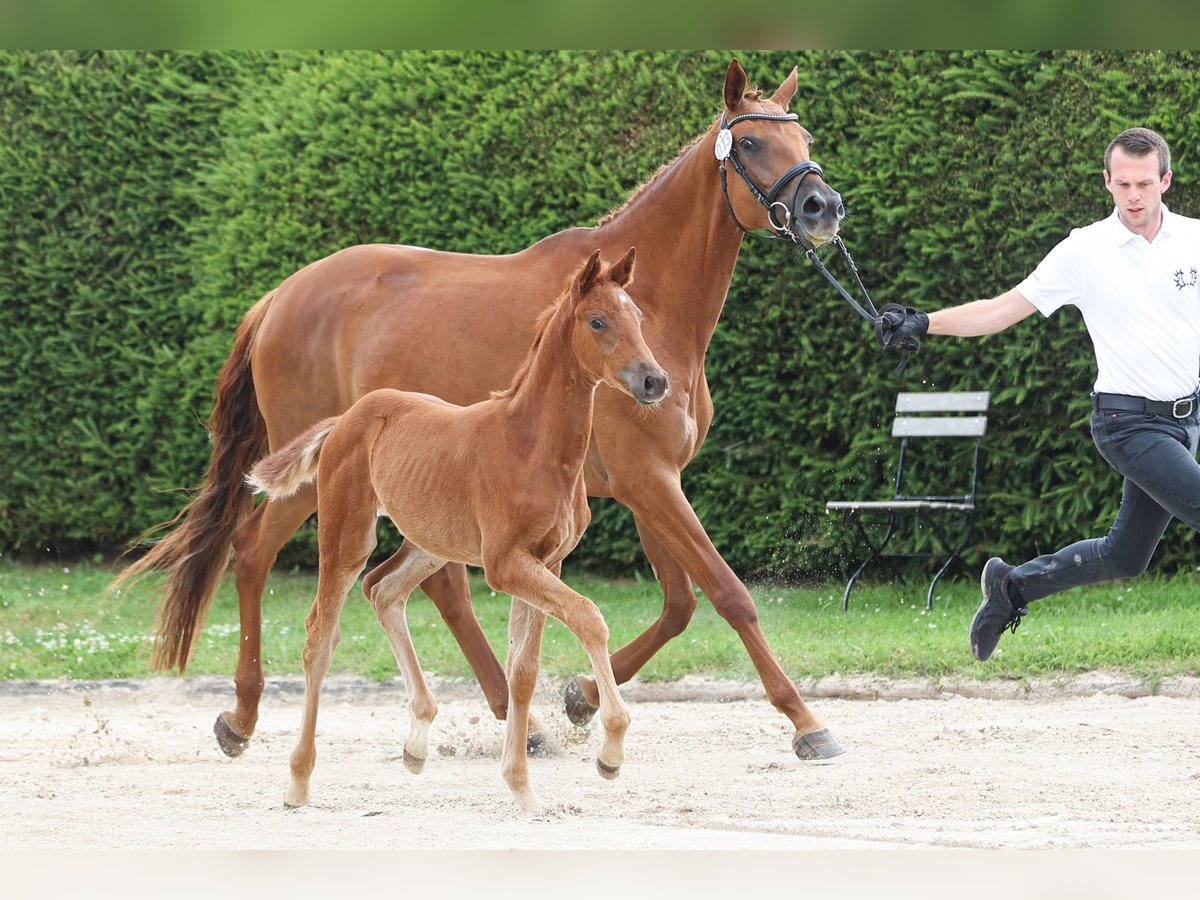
[(579, 711), (537, 745), (232, 743), (607, 772), (413, 763), (817, 745)]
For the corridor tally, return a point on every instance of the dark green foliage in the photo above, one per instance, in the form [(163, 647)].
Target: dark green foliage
[(147, 200)]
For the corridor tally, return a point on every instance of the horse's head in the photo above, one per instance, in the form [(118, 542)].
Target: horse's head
[(780, 187), (608, 339)]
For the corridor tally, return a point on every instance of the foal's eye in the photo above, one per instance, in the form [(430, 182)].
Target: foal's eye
[(597, 324)]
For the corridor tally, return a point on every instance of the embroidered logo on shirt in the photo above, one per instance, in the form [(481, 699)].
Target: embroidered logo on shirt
[(1183, 281)]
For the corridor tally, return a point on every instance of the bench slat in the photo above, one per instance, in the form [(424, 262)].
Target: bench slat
[(899, 504), (939, 426), (943, 401)]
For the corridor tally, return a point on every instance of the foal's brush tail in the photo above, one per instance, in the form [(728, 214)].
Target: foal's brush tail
[(196, 553), (282, 473)]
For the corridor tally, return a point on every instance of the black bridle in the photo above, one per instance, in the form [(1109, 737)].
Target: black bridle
[(726, 151)]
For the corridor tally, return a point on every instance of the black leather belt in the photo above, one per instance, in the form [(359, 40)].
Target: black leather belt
[(1177, 409)]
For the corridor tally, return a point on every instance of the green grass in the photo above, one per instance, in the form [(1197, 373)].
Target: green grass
[(61, 621)]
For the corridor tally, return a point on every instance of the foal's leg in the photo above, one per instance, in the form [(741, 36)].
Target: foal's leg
[(388, 588), (525, 626), (347, 537), (520, 574), (451, 594)]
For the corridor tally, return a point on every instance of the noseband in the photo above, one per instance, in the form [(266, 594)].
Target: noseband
[(726, 150)]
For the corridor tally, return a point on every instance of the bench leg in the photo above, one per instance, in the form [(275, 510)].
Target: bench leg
[(876, 552), (955, 556), (936, 578), (854, 578)]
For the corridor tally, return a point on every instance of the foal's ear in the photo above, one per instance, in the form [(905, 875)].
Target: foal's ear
[(587, 275), (735, 85), (622, 270), (787, 90)]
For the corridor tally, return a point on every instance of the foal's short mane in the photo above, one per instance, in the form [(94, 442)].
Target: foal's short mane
[(540, 327)]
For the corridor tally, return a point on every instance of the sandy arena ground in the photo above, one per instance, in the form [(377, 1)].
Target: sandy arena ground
[(1094, 763)]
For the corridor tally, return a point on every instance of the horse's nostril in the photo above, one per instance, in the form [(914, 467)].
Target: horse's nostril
[(654, 386)]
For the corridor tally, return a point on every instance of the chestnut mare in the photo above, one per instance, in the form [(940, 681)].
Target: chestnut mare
[(497, 484), (455, 325)]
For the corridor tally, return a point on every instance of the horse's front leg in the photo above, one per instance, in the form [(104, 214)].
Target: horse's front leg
[(657, 500), (581, 698)]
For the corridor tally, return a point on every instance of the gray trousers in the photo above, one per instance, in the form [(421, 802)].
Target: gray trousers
[(1157, 457)]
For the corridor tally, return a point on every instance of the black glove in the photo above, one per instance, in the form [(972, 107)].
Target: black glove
[(897, 329)]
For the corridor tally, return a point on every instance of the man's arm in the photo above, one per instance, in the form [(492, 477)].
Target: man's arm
[(981, 316)]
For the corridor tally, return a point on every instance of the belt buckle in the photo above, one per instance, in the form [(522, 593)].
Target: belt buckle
[(1191, 406)]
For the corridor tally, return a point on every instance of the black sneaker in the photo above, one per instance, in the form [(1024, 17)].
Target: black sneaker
[(996, 613)]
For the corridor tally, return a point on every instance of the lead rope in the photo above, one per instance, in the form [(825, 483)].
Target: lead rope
[(873, 315)]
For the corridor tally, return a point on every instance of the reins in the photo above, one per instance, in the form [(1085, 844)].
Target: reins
[(726, 150)]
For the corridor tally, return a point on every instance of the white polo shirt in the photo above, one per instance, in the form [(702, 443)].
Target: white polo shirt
[(1140, 301)]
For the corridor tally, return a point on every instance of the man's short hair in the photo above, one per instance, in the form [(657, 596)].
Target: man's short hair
[(1140, 142)]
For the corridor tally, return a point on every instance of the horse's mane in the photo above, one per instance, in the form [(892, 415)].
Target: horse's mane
[(540, 328), (648, 184)]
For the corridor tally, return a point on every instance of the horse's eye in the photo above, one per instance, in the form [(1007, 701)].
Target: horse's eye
[(597, 324), (746, 144)]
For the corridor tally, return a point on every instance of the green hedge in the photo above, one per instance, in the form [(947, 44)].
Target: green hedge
[(148, 199)]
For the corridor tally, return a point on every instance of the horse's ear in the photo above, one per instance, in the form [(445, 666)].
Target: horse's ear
[(587, 275), (735, 85), (787, 90), (622, 270)]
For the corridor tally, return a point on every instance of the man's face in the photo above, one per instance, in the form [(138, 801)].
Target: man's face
[(1137, 188)]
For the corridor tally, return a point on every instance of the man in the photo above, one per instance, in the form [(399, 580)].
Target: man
[(1134, 277)]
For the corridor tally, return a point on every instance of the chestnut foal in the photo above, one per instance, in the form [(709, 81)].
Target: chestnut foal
[(498, 484)]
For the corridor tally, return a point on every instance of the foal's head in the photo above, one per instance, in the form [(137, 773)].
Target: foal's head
[(607, 337)]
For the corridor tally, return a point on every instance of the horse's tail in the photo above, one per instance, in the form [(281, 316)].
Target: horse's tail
[(197, 552), (282, 473)]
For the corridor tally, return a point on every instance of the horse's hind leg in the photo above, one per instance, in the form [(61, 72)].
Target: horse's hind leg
[(388, 588), (525, 626), (256, 544)]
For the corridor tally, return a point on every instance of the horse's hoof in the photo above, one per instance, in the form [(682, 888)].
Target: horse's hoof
[(817, 745), (537, 745), (412, 763), (579, 711), (232, 743), (607, 772)]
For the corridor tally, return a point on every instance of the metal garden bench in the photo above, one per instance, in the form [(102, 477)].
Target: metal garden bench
[(940, 435)]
